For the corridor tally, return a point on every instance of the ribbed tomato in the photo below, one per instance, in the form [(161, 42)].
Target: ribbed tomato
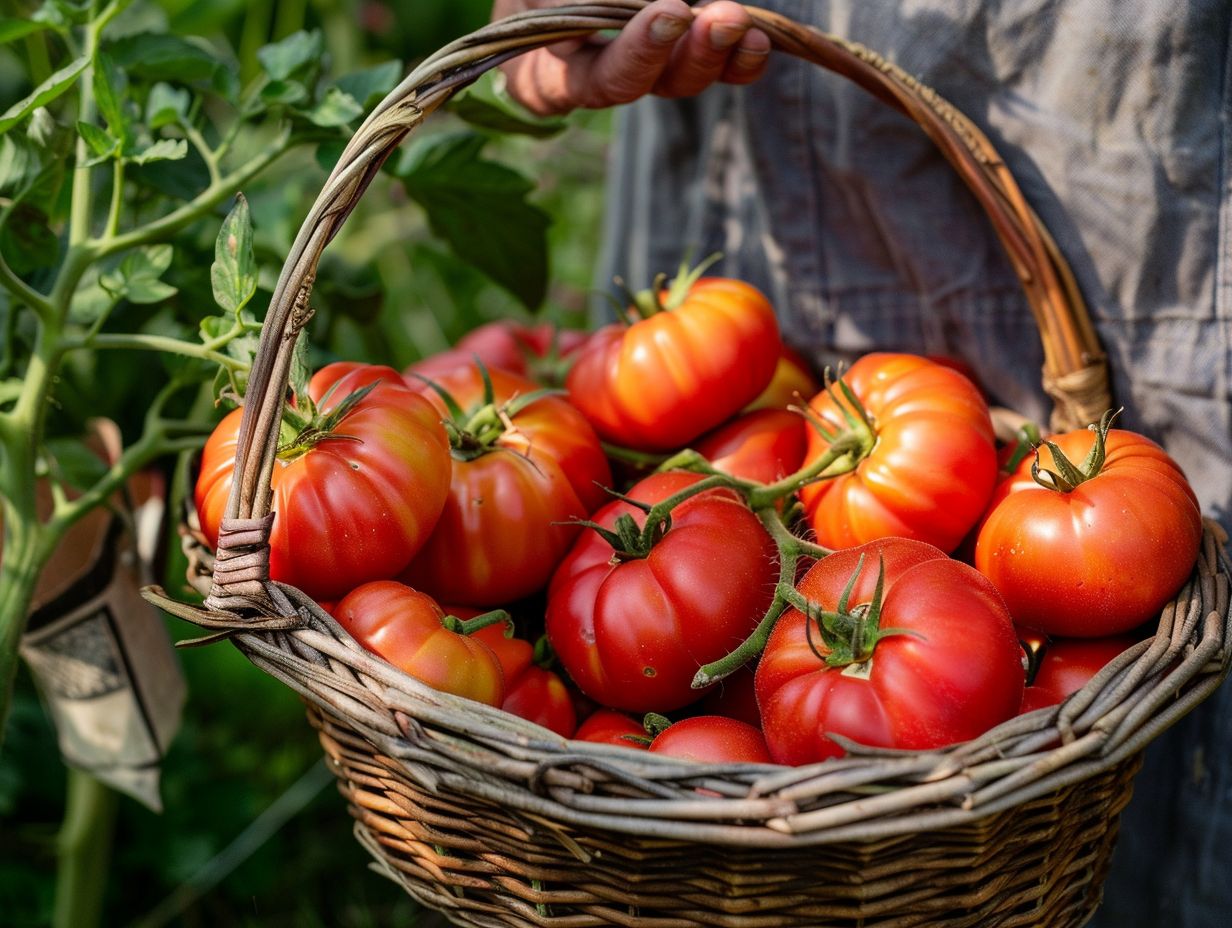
[(353, 504), (933, 662), (1099, 552), (690, 362), (920, 450), (526, 468), (632, 627)]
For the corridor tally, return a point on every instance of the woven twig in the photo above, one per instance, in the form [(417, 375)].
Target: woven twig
[(499, 822)]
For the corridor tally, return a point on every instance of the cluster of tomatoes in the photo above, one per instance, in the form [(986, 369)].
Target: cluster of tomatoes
[(691, 527)]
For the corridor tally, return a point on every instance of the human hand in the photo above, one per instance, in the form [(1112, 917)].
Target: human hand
[(666, 49)]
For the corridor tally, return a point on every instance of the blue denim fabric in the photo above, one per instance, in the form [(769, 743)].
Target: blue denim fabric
[(1114, 117)]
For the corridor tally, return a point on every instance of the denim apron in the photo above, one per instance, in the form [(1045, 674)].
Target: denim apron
[(1113, 115)]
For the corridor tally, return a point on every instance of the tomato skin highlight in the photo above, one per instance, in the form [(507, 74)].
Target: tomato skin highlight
[(404, 627), (955, 675), (352, 509), (632, 633), (658, 383), (712, 739), (510, 514), (1100, 559), (930, 470)]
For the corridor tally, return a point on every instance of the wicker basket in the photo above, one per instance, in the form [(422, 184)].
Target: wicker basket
[(496, 821)]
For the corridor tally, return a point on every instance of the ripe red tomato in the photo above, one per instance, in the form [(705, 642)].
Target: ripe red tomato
[(926, 462), (792, 384), (531, 692), (632, 631), (404, 627), (519, 486), (659, 382), (1102, 557), (956, 672), (1067, 666), (607, 726), (530, 351), (355, 506), (764, 445), (712, 739), (734, 697)]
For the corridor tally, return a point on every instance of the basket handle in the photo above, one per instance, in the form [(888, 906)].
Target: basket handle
[(1074, 374)]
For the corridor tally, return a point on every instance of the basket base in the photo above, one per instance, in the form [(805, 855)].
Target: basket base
[(1041, 864)]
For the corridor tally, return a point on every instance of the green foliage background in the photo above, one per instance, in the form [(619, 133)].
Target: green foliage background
[(392, 289)]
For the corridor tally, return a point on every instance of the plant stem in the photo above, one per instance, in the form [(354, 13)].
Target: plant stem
[(164, 343), (117, 197), (84, 850), (19, 571), (209, 157)]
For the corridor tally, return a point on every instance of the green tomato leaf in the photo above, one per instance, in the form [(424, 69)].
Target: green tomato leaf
[(298, 55), (162, 150), (480, 208), (43, 130), (166, 106), (91, 301), (13, 29), (234, 272), (337, 108), (44, 93), (101, 142), (20, 164), (486, 112), (110, 89), (369, 86), (137, 277), (156, 56), (283, 93)]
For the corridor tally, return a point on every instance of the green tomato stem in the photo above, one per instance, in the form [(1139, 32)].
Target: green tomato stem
[(84, 850), (160, 343), (470, 626)]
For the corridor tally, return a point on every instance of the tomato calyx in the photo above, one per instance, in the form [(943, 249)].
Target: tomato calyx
[(472, 625), (630, 541), (857, 439), (664, 295), (302, 429), (1068, 475), (475, 432)]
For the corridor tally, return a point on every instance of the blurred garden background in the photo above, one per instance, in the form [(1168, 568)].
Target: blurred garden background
[(253, 832)]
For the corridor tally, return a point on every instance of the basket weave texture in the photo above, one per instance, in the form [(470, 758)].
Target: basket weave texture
[(496, 821)]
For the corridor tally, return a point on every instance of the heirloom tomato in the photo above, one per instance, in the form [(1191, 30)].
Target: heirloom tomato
[(355, 493), (631, 626), (920, 460), (690, 361), (526, 468), (1066, 666), (532, 692), (712, 739), (537, 352), (607, 726), (1099, 547), (923, 657), (407, 628), (764, 445)]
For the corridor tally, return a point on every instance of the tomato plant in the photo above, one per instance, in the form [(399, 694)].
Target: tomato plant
[(526, 468), (901, 647), (694, 357), (357, 486), (639, 604), (409, 630), (1092, 549), (764, 445), (922, 460), (712, 739)]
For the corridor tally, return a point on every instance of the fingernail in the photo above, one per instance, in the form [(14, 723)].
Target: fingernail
[(666, 28), (724, 35)]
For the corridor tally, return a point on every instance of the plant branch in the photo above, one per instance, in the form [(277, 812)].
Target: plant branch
[(161, 228), (163, 343), (23, 292), (194, 136)]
